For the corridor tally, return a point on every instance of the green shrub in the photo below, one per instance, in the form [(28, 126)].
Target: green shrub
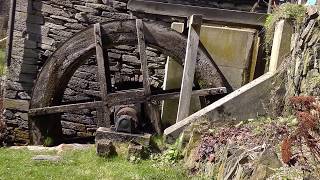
[(293, 12)]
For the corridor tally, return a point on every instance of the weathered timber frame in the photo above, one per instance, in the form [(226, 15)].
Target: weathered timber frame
[(49, 88)]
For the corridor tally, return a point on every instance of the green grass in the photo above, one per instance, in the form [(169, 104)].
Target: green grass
[(2, 63), (17, 164)]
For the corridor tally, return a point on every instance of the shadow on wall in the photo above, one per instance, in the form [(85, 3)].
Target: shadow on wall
[(26, 56), (24, 66)]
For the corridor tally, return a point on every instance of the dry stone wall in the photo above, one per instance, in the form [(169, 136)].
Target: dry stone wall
[(304, 71)]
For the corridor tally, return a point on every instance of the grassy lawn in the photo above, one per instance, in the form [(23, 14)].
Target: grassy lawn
[(85, 164)]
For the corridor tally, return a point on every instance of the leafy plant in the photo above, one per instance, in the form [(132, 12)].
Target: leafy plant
[(293, 12), (307, 111), (172, 155)]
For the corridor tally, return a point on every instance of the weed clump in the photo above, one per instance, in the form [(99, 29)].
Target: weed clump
[(293, 12), (307, 133)]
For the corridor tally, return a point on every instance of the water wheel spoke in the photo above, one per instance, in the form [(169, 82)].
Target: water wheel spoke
[(151, 110), (104, 79)]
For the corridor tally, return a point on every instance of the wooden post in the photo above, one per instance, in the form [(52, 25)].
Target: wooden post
[(277, 39), (151, 110), (189, 66), (104, 112), (143, 57)]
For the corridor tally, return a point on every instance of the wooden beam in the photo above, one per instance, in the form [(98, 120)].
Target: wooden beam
[(209, 14), (126, 97), (64, 108), (202, 92), (276, 46), (195, 22), (152, 111), (143, 57), (104, 112), (122, 98)]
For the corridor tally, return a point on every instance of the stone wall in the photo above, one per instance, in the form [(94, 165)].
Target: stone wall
[(41, 27), (303, 71)]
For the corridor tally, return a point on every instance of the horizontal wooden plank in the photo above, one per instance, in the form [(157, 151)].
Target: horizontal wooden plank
[(126, 97), (176, 95), (122, 98), (64, 108), (211, 14)]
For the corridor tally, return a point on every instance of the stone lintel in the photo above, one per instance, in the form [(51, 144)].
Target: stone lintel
[(14, 104), (107, 134)]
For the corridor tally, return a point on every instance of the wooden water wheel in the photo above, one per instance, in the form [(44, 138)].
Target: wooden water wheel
[(46, 108)]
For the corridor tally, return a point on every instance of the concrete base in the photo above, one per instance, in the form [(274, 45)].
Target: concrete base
[(244, 103), (173, 76), (172, 80), (107, 134), (232, 50)]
